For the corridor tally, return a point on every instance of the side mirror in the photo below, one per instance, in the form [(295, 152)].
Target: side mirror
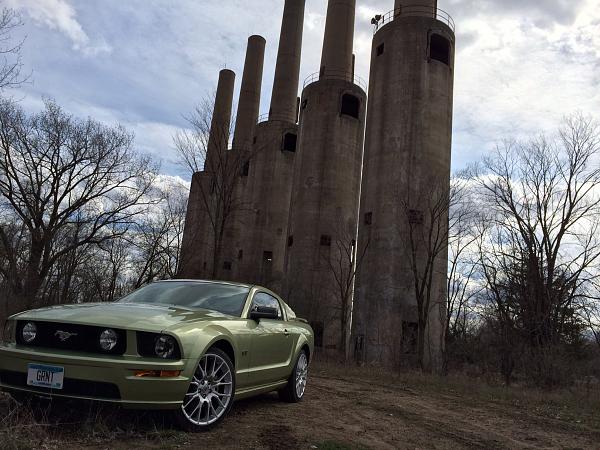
[(263, 312)]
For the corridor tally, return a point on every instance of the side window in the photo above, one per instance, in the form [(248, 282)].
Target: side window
[(264, 299)]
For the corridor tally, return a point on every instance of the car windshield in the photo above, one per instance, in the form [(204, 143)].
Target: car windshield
[(223, 298)]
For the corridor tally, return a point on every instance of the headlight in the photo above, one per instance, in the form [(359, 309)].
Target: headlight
[(8, 336), (29, 332), (165, 346), (108, 340)]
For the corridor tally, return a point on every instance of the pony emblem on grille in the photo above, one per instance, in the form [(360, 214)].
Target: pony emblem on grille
[(64, 335)]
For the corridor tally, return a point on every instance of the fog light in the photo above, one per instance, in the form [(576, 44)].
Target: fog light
[(29, 332), (165, 346), (108, 340)]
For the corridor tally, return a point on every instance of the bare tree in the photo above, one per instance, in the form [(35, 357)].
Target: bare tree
[(543, 245), (590, 312), (428, 217), (468, 227), (68, 184), (217, 196), (343, 262), (156, 239), (11, 66), (215, 188)]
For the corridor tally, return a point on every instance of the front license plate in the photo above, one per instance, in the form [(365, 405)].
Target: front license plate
[(50, 377)]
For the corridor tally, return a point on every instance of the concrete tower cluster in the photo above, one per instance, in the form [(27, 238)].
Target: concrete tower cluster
[(329, 208)]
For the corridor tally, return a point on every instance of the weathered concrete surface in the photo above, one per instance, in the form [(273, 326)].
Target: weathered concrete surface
[(326, 186), (407, 159), (429, 3), (249, 102), (247, 116), (324, 203), (268, 191), (259, 242), (198, 235), (287, 68), (218, 141), (339, 37)]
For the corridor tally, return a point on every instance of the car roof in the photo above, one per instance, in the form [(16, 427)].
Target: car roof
[(227, 283)]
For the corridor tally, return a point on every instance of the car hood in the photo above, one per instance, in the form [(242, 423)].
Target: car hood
[(143, 317)]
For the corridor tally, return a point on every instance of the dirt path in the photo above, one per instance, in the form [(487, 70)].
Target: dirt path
[(349, 413)]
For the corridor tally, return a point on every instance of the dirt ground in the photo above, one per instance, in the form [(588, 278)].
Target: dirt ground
[(341, 410)]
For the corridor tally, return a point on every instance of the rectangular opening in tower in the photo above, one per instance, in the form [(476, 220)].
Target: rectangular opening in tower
[(439, 49), (350, 106), (326, 240), (289, 142), (245, 169)]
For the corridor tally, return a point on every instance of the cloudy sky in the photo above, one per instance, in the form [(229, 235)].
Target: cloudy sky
[(521, 64)]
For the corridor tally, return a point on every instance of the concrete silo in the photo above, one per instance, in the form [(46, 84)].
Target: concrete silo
[(406, 176), (324, 205)]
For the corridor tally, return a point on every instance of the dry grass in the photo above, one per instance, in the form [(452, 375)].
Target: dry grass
[(578, 404), (44, 425), (76, 425)]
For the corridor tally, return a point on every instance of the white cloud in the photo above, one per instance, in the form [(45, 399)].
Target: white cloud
[(60, 15), (515, 78), (521, 64)]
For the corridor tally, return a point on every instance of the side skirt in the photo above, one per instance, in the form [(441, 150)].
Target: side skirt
[(257, 390)]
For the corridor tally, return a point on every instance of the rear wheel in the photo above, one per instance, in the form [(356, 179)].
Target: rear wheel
[(210, 395), (293, 392)]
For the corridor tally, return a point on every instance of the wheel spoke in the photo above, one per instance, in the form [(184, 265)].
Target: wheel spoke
[(219, 400), (212, 388), (301, 374), (219, 368), (196, 408)]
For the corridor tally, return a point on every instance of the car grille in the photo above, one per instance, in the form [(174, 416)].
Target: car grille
[(81, 338), (79, 388)]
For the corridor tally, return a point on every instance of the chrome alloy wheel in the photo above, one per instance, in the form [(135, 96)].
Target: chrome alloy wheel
[(301, 374), (210, 392)]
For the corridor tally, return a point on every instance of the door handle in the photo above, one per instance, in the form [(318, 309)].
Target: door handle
[(286, 332)]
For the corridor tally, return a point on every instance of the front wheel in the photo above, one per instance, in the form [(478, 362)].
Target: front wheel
[(293, 392), (210, 395)]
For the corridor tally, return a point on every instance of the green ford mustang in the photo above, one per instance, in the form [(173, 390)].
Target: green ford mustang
[(189, 346)]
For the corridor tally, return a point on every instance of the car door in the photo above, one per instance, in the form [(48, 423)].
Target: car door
[(272, 343)]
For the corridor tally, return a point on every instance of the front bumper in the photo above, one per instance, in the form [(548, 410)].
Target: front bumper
[(98, 378)]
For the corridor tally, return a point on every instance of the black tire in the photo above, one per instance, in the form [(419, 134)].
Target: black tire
[(206, 393), (290, 393)]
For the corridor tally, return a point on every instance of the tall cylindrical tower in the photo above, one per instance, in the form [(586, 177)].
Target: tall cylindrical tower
[(406, 178), (339, 37), (197, 243), (287, 68), (240, 154), (324, 207), (249, 103), (218, 140), (267, 183)]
